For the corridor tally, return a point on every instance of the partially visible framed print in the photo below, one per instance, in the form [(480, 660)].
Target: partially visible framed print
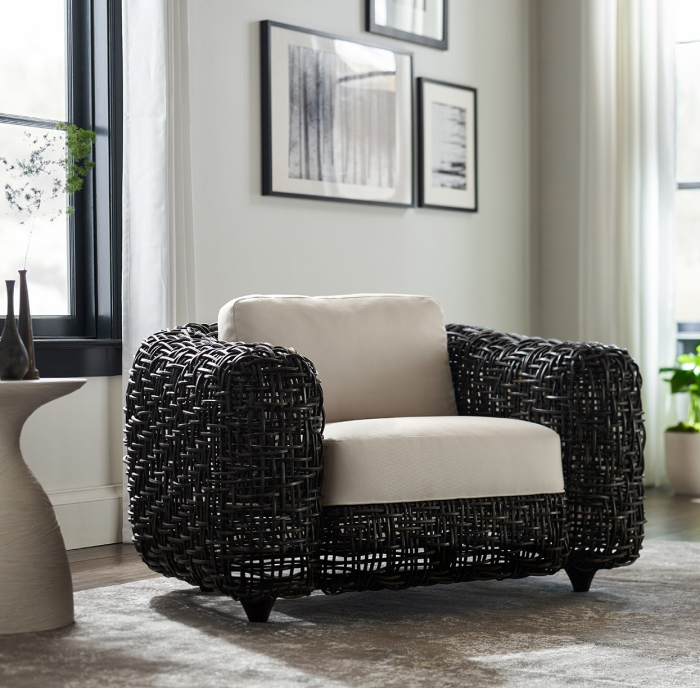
[(337, 118), (447, 175), (418, 21)]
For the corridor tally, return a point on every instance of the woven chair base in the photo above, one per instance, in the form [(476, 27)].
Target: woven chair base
[(398, 546)]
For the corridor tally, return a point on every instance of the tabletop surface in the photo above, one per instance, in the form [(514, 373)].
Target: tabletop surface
[(45, 381), (53, 387)]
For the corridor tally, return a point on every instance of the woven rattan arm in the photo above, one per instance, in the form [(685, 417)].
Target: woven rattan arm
[(224, 458), (590, 394)]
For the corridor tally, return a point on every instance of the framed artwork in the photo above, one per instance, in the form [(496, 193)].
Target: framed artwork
[(447, 173), (417, 21), (337, 118)]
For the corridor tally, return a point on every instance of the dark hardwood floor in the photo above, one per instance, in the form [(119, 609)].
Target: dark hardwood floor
[(669, 517), (98, 567)]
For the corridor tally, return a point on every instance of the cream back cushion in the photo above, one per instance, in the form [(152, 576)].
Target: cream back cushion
[(377, 355)]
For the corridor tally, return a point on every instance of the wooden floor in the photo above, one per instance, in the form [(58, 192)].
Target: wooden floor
[(668, 518), (98, 567)]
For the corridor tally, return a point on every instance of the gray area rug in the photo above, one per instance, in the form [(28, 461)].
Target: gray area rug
[(639, 626)]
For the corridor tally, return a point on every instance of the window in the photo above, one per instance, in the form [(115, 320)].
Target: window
[(60, 60), (687, 229)]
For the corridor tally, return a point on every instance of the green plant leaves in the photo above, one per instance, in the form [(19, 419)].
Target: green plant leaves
[(79, 143), (685, 427), (66, 173), (686, 378), (684, 381)]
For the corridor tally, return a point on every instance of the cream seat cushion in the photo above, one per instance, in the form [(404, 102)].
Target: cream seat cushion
[(379, 461), (377, 355)]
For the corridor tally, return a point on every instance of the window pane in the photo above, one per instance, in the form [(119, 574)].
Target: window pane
[(688, 71), (47, 262), (688, 255), (33, 58), (687, 20)]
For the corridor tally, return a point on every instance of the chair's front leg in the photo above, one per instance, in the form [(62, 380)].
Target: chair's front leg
[(258, 611), (580, 580)]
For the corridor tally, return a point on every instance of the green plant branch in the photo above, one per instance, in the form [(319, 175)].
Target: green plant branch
[(686, 380), (65, 172)]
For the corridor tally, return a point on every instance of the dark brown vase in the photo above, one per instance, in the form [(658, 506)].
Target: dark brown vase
[(25, 326), (13, 356)]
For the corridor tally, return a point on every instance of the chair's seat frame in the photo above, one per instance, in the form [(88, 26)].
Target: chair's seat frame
[(225, 463)]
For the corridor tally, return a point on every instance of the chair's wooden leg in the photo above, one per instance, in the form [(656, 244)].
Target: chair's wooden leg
[(258, 611), (581, 580)]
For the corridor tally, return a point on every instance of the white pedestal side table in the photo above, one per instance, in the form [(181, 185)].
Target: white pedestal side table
[(36, 590)]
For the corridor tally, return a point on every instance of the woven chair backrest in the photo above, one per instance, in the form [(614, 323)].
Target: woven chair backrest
[(377, 355)]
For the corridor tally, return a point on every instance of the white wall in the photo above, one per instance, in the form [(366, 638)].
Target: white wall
[(475, 264), (74, 447)]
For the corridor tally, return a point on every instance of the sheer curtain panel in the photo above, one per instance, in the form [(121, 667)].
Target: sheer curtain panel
[(627, 192), (158, 274)]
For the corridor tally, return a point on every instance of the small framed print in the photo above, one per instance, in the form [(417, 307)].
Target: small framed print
[(337, 118), (447, 172), (417, 21)]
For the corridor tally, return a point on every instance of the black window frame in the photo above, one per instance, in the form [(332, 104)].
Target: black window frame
[(87, 343)]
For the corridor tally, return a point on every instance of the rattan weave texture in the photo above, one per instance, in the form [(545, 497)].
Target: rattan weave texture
[(590, 394), (423, 543), (224, 459)]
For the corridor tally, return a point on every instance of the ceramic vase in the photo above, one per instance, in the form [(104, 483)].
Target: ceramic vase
[(14, 361), (25, 326), (683, 462)]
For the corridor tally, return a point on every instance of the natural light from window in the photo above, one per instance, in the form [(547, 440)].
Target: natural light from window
[(33, 85), (687, 228)]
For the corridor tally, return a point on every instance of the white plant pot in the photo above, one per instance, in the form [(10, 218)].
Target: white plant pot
[(683, 461)]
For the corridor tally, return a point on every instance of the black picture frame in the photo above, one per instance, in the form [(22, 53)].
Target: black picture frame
[(269, 186), (426, 194), (372, 26)]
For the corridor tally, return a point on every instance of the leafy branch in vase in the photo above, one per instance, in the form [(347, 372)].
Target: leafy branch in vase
[(54, 167)]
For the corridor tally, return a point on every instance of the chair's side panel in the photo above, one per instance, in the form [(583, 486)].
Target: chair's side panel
[(224, 457), (158, 438), (590, 395)]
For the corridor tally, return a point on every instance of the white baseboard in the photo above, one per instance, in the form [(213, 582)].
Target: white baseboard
[(89, 516)]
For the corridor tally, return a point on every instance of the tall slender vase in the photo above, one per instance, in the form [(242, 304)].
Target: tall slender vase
[(14, 361), (25, 326)]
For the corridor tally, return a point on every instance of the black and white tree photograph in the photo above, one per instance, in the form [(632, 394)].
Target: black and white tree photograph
[(337, 118), (449, 169), (447, 146), (342, 122)]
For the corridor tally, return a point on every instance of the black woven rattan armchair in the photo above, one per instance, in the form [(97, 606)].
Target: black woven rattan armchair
[(225, 458)]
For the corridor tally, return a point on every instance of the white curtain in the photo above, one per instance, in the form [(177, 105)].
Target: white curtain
[(158, 274), (627, 192)]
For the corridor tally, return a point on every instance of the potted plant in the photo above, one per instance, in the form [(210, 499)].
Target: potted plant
[(56, 165), (683, 440)]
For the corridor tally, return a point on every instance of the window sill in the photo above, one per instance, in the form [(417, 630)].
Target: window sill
[(78, 357)]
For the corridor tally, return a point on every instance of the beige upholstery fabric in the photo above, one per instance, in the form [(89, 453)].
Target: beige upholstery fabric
[(414, 459), (377, 355)]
